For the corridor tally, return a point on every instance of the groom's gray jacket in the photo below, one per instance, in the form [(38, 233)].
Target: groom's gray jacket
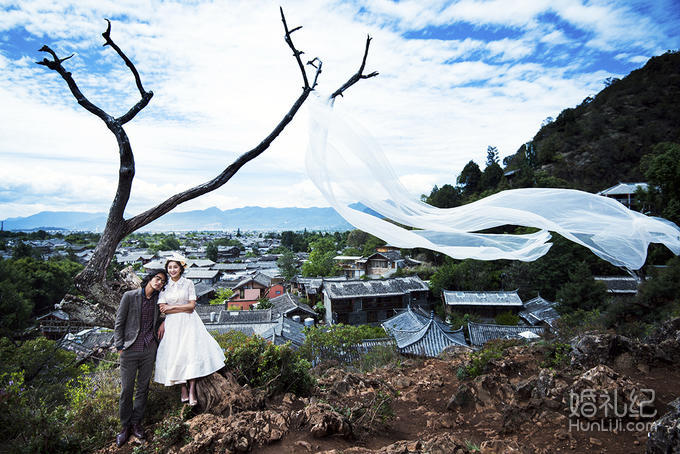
[(129, 319)]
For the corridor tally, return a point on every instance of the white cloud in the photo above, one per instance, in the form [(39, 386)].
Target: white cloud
[(223, 78)]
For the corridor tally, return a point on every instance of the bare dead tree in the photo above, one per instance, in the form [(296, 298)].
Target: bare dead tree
[(103, 296)]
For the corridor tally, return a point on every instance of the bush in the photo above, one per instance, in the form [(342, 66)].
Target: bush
[(29, 424), (33, 412), (580, 321), (261, 364), (555, 354), (337, 342), (48, 404), (45, 367), (221, 295), (479, 360), (379, 356), (507, 318), (93, 407)]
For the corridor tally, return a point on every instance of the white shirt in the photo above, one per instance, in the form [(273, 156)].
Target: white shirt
[(177, 292)]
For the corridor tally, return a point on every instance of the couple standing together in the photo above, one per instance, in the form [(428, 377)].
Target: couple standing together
[(179, 344)]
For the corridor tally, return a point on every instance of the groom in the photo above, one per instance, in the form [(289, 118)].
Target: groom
[(137, 331)]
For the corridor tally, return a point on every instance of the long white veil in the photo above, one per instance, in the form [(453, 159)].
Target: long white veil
[(348, 166)]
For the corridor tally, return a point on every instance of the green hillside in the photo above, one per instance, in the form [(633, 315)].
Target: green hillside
[(601, 142)]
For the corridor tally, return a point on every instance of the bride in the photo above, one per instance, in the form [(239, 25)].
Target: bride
[(187, 350)]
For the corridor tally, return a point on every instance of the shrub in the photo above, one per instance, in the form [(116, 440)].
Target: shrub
[(221, 295), (479, 360), (337, 342), (379, 356), (32, 397), (580, 321), (261, 364), (93, 407), (507, 318), (170, 431), (555, 354)]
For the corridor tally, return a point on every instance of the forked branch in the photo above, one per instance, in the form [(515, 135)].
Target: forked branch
[(358, 75)]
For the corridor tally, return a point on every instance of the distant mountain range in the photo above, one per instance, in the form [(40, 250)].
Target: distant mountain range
[(247, 218)]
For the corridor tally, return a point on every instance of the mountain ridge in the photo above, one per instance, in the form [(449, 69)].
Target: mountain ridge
[(244, 218)]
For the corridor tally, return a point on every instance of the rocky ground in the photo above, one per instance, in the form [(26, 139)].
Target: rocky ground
[(422, 406)]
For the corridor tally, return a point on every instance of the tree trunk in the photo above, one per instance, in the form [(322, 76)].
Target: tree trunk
[(222, 395), (99, 298)]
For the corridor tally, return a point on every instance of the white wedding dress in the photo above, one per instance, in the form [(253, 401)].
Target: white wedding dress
[(187, 349)]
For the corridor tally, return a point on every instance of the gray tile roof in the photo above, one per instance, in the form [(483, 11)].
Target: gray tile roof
[(623, 189), (390, 255), (286, 303), (419, 335), (204, 311), (248, 330), (277, 329), (286, 330), (200, 263), (61, 315), (481, 333), (539, 310), (155, 265), (200, 273), (411, 320), (229, 266), (501, 298), (429, 341), (202, 289), (259, 278), (263, 279), (376, 287), (619, 284), (254, 316)]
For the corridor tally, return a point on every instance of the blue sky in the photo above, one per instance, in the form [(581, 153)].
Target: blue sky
[(455, 77)]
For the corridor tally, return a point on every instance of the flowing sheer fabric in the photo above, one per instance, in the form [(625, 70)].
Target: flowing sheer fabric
[(348, 166)]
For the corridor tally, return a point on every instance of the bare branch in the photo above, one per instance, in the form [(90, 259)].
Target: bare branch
[(358, 75), (109, 42), (126, 170), (313, 63), (55, 65), (146, 95), (296, 52), (166, 206)]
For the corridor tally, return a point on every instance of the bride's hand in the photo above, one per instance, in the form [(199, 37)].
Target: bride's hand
[(163, 307)]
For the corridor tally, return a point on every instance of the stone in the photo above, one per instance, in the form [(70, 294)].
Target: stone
[(304, 444), (664, 436), (462, 398), (594, 441)]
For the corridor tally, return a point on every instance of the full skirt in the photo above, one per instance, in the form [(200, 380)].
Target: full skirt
[(187, 350)]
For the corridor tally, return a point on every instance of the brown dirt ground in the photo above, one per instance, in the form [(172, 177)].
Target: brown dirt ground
[(420, 411), (422, 390)]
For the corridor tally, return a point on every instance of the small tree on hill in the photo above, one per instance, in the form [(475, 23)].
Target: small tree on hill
[(470, 178)]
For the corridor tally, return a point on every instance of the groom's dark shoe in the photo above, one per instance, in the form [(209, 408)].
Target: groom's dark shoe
[(123, 436), (138, 431)]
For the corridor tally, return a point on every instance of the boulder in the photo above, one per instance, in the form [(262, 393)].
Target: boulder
[(463, 397), (324, 421), (592, 349), (664, 437)]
